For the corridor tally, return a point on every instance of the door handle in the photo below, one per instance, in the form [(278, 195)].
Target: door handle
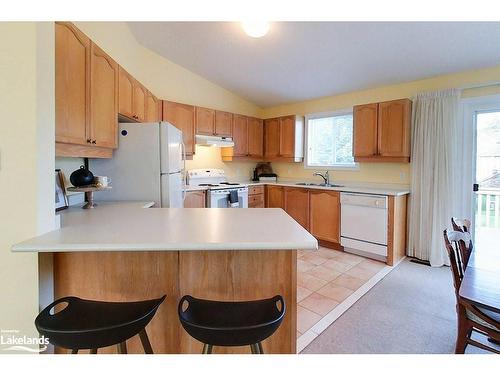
[(475, 187)]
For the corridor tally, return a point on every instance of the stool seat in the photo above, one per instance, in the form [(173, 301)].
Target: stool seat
[(220, 323), (87, 324)]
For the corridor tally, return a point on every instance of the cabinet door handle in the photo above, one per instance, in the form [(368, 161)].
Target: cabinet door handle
[(93, 142), (89, 140)]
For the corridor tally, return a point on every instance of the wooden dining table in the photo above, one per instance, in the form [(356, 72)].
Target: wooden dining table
[(481, 282)]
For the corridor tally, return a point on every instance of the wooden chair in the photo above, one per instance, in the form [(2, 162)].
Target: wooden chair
[(465, 249), (471, 318)]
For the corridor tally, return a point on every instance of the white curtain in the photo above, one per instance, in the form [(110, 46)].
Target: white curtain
[(436, 138)]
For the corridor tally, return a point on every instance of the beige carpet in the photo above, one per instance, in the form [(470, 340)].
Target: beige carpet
[(412, 310)]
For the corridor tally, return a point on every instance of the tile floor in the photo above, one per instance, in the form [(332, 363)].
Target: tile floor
[(325, 278)]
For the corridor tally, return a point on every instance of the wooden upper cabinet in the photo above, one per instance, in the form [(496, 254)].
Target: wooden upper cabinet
[(182, 116), (324, 215), (132, 97), (382, 131), (394, 118), (272, 137), (240, 135), (297, 205), (283, 138), (205, 121), (223, 124), (365, 118), (287, 136), (126, 93), (139, 101), (72, 88), (275, 196), (104, 99), (153, 108), (255, 137)]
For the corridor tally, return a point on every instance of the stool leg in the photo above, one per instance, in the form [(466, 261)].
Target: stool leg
[(207, 349), (261, 351), (145, 342), (93, 351), (122, 347), (254, 348), (74, 351)]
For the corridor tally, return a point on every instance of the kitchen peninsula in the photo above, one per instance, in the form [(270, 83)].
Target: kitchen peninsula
[(122, 252)]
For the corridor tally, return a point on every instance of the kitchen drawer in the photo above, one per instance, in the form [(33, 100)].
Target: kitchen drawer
[(256, 201), (253, 190)]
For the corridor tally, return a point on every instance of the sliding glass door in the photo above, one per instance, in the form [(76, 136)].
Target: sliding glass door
[(487, 175)]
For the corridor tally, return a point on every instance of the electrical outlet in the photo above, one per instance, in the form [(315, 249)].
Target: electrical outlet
[(402, 176), (289, 171)]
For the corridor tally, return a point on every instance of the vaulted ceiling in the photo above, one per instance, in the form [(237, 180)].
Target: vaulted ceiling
[(297, 61)]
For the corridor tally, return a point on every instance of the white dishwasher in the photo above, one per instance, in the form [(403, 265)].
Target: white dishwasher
[(363, 224)]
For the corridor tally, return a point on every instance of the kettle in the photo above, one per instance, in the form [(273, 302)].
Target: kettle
[(81, 177)]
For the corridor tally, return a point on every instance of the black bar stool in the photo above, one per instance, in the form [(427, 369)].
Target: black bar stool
[(85, 324), (217, 323)]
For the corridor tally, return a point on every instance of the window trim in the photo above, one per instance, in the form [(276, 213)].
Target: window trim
[(335, 167)]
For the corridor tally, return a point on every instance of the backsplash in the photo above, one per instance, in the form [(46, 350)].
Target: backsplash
[(383, 173)]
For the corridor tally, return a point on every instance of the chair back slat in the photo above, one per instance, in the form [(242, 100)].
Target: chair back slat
[(465, 246), (453, 240)]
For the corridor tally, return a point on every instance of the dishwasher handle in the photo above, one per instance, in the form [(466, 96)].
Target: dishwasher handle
[(364, 200)]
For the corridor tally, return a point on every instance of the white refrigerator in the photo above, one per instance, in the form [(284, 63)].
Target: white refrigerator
[(147, 166)]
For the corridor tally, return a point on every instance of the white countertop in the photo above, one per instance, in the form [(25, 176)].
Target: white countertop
[(364, 188), (349, 187), (128, 227)]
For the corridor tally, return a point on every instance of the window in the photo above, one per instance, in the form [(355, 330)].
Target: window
[(329, 141)]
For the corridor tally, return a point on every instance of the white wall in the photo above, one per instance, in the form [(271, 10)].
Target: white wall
[(26, 164)]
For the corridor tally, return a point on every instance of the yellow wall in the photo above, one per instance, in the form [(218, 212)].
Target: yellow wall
[(26, 165), (475, 83), (173, 82), (162, 77)]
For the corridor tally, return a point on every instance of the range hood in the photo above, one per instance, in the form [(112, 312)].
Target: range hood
[(215, 141)]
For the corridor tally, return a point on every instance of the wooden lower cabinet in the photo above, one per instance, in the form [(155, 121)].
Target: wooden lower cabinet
[(256, 197), (324, 215), (224, 275), (275, 197), (297, 205), (195, 199)]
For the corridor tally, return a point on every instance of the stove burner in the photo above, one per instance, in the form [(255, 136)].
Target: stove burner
[(209, 185), (229, 183)]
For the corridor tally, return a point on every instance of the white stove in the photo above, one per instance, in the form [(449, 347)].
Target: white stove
[(221, 193)]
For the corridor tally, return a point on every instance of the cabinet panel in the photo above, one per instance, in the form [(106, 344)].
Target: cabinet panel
[(255, 137), (125, 93), (394, 119), (272, 137), (274, 197), (195, 199), (72, 89), (182, 116), (139, 101), (104, 99), (205, 121), (287, 136), (297, 205), (240, 135), (365, 130), (223, 123), (324, 211), (152, 108)]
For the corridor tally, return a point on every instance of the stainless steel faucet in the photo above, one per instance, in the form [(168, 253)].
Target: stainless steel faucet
[(326, 177)]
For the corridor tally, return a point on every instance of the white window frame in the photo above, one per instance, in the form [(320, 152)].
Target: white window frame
[(336, 167)]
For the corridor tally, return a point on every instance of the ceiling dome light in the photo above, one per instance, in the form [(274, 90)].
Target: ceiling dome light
[(255, 29)]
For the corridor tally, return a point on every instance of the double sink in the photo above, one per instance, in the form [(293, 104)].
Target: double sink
[(314, 184)]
